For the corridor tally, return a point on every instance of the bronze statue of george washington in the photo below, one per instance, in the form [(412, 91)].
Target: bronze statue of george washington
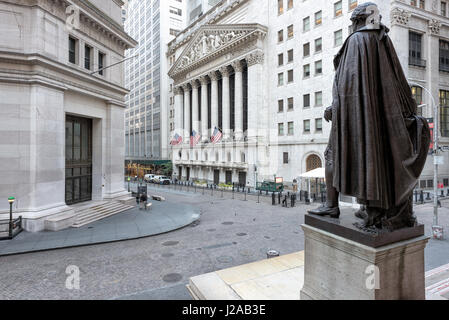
[(378, 145)]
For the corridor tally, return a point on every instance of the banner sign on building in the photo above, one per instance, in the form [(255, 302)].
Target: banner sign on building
[(431, 126)]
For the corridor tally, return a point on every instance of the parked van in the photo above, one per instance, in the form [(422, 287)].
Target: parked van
[(149, 177)]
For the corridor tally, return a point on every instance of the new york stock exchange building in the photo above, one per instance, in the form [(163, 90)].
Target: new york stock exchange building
[(235, 74)]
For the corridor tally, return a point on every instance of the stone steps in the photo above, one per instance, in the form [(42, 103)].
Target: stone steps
[(89, 215)]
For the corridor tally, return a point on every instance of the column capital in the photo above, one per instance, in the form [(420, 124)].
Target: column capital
[(254, 58), (224, 71), (178, 90), (204, 80), (237, 65), (186, 87), (400, 17), (434, 27), (213, 75), (194, 84)]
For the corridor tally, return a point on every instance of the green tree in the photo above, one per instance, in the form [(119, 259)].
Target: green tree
[(167, 169)]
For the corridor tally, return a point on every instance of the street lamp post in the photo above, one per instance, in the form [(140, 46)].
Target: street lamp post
[(11, 202), (436, 228)]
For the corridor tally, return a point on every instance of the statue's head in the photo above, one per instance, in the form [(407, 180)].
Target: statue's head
[(361, 14)]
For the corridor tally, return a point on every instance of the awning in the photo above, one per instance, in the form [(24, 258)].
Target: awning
[(316, 174)]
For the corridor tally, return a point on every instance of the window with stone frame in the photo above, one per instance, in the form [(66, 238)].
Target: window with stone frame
[(444, 113), (291, 127), (290, 32), (318, 68), (306, 101), (289, 4), (290, 77), (285, 158), (280, 35), (280, 105), (444, 8), (415, 50), (338, 38), (444, 56), (306, 49), (280, 129), (319, 125), (307, 71), (417, 95), (318, 45), (306, 126), (280, 7), (338, 8), (73, 44), (319, 99), (290, 55), (318, 18), (290, 104), (352, 4), (280, 79), (280, 59), (306, 24)]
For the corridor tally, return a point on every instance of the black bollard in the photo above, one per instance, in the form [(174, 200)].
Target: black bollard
[(421, 197), (279, 197), (292, 200), (428, 196), (273, 199)]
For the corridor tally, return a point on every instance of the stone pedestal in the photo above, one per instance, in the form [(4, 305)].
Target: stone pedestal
[(340, 267)]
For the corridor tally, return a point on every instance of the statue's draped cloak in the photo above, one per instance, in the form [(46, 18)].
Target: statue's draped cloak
[(379, 146)]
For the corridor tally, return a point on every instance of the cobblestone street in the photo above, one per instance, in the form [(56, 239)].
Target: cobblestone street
[(229, 233)]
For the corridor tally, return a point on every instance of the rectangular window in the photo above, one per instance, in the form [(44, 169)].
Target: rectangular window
[(290, 55), (318, 99), (443, 8), (444, 113), (280, 7), (306, 100), (338, 38), (280, 35), (417, 95), (72, 50), (290, 128), (290, 31), (290, 4), (338, 8), (87, 57), (352, 4), (280, 129), (281, 105), (318, 68), (319, 125), (285, 158), (444, 56), (290, 76), (318, 45), (318, 18), (415, 50), (290, 104), (307, 71), (280, 79), (306, 126), (280, 59), (101, 61), (306, 24), (306, 49)]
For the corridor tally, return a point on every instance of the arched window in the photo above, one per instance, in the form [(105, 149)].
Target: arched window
[(313, 162), (229, 157), (196, 156), (205, 156), (180, 155), (243, 157), (217, 157)]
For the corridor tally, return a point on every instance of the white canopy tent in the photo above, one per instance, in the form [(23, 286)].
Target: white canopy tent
[(319, 173)]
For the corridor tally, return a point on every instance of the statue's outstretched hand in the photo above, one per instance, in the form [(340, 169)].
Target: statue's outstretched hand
[(328, 114)]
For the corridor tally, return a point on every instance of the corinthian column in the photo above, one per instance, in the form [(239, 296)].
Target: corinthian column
[(226, 104), (187, 129), (257, 120), (179, 127), (195, 106), (204, 109), (238, 68), (214, 108)]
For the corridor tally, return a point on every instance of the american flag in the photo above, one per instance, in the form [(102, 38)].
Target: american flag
[(194, 138), (216, 137), (177, 139)]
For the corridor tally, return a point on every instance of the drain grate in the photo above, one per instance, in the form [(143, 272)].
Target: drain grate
[(228, 223), (241, 234), (172, 277)]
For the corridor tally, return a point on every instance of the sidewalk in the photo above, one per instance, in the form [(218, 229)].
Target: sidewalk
[(133, 224)]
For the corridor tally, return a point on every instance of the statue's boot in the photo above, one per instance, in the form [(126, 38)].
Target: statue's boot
[(326, 211), (361, 214)]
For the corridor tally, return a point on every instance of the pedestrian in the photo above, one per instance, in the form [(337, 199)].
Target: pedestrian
[(143, 201)]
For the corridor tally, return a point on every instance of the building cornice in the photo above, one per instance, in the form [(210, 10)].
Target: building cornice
[(73, 78), (402, 12)]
